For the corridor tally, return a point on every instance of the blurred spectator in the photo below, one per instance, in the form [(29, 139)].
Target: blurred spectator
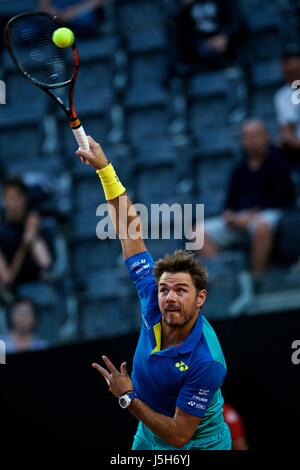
[(22, 327), (288, 112), (203, 32), (259, 189), (82, 16), (24, 253), (236, 426)]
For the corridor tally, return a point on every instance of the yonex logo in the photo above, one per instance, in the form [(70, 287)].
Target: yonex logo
[(181, 366)]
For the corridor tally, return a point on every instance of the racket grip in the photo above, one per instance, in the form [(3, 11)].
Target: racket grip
[(81, 138)]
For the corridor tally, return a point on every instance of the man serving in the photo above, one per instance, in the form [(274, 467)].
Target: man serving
[(178, 365)]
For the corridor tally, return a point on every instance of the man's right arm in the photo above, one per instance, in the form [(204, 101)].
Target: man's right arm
[(124, 217)]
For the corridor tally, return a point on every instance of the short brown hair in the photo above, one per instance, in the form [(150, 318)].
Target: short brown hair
[(182, 262)]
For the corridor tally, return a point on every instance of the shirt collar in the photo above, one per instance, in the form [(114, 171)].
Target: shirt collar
[(193, 338)]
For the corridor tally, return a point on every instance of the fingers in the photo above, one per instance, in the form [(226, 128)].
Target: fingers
[(93, 143), (94, 146), (102, 371), (109, 365), (123, 369), (84, 154), (94, 156)]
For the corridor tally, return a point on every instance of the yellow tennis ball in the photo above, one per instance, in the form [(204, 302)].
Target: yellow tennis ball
[(63, 37)]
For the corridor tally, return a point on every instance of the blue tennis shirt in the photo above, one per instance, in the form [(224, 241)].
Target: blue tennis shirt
[(188, 376)]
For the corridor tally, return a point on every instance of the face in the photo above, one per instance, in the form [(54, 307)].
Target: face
[(291, 69), (23, 318), (178, 299), (14, 201), (255, 138)]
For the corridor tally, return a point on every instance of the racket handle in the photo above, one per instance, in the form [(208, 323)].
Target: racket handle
[(81, 138)]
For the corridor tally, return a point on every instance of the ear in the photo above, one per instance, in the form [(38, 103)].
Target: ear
[(201, 297)]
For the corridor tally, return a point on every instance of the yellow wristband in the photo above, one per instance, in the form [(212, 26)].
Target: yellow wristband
[(111, 184)]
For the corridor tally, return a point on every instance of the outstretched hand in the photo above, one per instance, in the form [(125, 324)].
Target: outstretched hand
[(118, 383)]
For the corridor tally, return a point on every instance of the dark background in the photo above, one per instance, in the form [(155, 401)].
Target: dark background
[(54, 399)]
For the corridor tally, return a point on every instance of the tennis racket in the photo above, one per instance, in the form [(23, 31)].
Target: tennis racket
[(28, 37)]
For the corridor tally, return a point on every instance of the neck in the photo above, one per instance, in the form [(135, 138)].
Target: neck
[(173, 336)]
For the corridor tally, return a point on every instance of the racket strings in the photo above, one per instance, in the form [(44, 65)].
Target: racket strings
[(36, 54)]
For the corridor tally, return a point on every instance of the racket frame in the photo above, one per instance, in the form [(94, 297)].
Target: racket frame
[(70, 111)]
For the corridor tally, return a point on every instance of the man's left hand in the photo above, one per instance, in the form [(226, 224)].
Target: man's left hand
[(118, 383)]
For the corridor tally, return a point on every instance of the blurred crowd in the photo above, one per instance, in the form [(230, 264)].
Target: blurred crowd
[(204, 36)]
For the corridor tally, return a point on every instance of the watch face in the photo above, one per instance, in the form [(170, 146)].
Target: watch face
[(124, 401)]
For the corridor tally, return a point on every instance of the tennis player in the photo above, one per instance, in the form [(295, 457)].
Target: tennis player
[(178, 366)]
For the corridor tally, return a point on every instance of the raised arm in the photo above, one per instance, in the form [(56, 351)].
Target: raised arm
[(124, 217)]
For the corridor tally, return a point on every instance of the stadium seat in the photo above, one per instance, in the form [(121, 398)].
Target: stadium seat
[(21, 92), (262, 46), (21, 132), (108, 305), (102, 284), (215, 99), (263, 39), (147, 123), (94, 89), (212, 164), (165, 175), (260, 15), (150, 67), (93, 254), (287, 247), (97, 49), (223, 283), (218, 141), (87, 193), (266, 78), (108, 317), (141, 23), (146, 113), (160, 247), (145, 42), (9, 8), (267, 74)]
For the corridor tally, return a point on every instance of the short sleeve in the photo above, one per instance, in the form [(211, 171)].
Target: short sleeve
[(201, 385), (140, 268)]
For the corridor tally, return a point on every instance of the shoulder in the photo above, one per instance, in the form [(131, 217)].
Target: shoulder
[(211, 345)]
